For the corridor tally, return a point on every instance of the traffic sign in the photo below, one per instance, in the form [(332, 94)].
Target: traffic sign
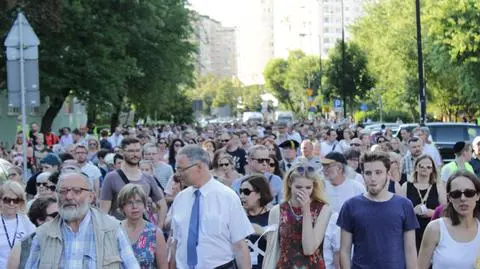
[(337, 103), (363, 107)]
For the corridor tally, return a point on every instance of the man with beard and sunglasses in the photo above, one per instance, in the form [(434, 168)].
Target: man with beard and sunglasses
[(379, 224), (130, 173), (80, 236)]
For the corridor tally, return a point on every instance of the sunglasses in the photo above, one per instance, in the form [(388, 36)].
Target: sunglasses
[(7, 200), (246, 191), (261, 160), (469, 193), (225, 140), (45, 185), (272, 165), (223, 164), (302, 170), (355, 145), (52, 215)]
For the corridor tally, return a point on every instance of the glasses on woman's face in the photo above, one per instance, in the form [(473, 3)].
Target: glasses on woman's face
[(224, 165), (456, 194), (45, 185), (425, 167), (8, 200), (135, 203), (52, 215), (246, 191)]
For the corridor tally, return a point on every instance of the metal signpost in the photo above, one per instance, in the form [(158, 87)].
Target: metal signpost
[(22, 73)]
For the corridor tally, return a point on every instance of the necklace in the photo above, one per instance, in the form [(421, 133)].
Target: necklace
[(10, 244), (297, 217)]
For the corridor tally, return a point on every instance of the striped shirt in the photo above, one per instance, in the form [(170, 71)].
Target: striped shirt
[(79, 249)]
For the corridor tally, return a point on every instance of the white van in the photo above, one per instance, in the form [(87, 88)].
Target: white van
[(252, 116)]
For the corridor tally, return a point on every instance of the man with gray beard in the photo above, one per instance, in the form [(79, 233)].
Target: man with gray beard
[(80, 236)]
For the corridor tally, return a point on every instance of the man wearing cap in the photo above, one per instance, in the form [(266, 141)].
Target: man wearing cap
[(307, 156), (475, 161), (290, 148), (50, 163), (340, 183), (463, 154)]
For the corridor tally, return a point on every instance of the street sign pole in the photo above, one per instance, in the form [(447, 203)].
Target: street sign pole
[(22, 93)]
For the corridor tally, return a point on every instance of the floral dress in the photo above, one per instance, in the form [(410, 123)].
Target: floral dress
[(146, 246), (290, 233)]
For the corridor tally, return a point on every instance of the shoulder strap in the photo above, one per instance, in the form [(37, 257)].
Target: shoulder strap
[(123, 176)]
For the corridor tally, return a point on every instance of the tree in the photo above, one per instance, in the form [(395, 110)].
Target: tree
[(348, 78), (275, 76)]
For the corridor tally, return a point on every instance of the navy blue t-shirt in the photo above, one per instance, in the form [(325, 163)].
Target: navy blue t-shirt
[(377, 230)]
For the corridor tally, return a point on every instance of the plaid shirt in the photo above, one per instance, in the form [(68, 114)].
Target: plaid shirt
[(79, 249)]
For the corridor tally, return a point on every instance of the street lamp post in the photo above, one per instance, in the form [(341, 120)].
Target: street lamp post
[(422, 99)]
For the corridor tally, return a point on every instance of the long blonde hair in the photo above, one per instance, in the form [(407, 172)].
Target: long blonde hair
[(318, 193)]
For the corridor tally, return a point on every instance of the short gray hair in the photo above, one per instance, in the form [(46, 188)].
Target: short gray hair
[(195, 153), (63, 175)]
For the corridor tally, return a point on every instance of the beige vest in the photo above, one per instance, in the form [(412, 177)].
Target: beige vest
[(106, 229)]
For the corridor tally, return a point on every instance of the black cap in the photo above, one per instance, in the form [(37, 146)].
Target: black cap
[(334, 157), (458, 147), (289, 144)]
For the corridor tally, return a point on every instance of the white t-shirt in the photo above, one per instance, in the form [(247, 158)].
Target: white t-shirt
[(92, 172), (338, 195), (359, 178), (25, 228), (223, 222), (331, 242)]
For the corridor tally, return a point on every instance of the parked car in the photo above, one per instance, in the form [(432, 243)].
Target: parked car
[(445, 134)]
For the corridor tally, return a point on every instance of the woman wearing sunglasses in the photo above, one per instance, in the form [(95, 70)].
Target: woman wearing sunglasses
[(224, 168), (255, 195), (46, 186), (14, 224), (42, 210), (175, 146), (426, 192), (453, 241), (302, 221)]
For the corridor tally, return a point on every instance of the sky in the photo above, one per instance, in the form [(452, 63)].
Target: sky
[(225, 11)]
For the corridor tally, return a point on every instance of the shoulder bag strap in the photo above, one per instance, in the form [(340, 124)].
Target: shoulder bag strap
[(123, 176)]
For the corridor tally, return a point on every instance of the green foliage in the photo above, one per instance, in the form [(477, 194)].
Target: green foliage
[(288, 79), (347, 75)]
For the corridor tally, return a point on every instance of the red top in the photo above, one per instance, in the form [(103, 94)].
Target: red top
[(290, 233)]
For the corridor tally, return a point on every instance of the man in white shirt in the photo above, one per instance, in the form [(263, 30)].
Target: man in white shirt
[(117, 137), (331, 144), (428, 146), (340, 183), (93, 173), (208, 222)]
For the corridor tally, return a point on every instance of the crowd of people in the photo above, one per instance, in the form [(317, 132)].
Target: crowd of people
[(306, 195)]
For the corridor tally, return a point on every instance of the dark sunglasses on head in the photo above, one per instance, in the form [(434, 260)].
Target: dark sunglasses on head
[(469, 193), (52, 215), (7, 200), (223, 164), (246, 191)]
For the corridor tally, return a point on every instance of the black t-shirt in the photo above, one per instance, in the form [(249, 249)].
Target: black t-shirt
[(240, 159), (261, 220)]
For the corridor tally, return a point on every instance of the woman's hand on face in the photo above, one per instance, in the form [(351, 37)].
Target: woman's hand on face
[(304, 201)]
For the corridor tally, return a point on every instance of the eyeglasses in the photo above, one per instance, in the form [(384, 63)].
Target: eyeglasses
[(76, 191), (246, 191), (16, 201), (261, 160), (135, 203), (225, 140), (45, 185), (52, 215), (223, 164), (355, 145), (469, 193), (181, 169)]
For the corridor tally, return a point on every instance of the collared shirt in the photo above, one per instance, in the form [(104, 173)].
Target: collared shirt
[(79, 249), (408, 163), (223, 223)]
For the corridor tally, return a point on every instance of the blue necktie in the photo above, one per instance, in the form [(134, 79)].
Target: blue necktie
[(192, 240)]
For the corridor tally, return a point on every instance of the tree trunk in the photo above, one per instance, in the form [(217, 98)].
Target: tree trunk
[(52, 111), (114, 118), (91, 114)]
